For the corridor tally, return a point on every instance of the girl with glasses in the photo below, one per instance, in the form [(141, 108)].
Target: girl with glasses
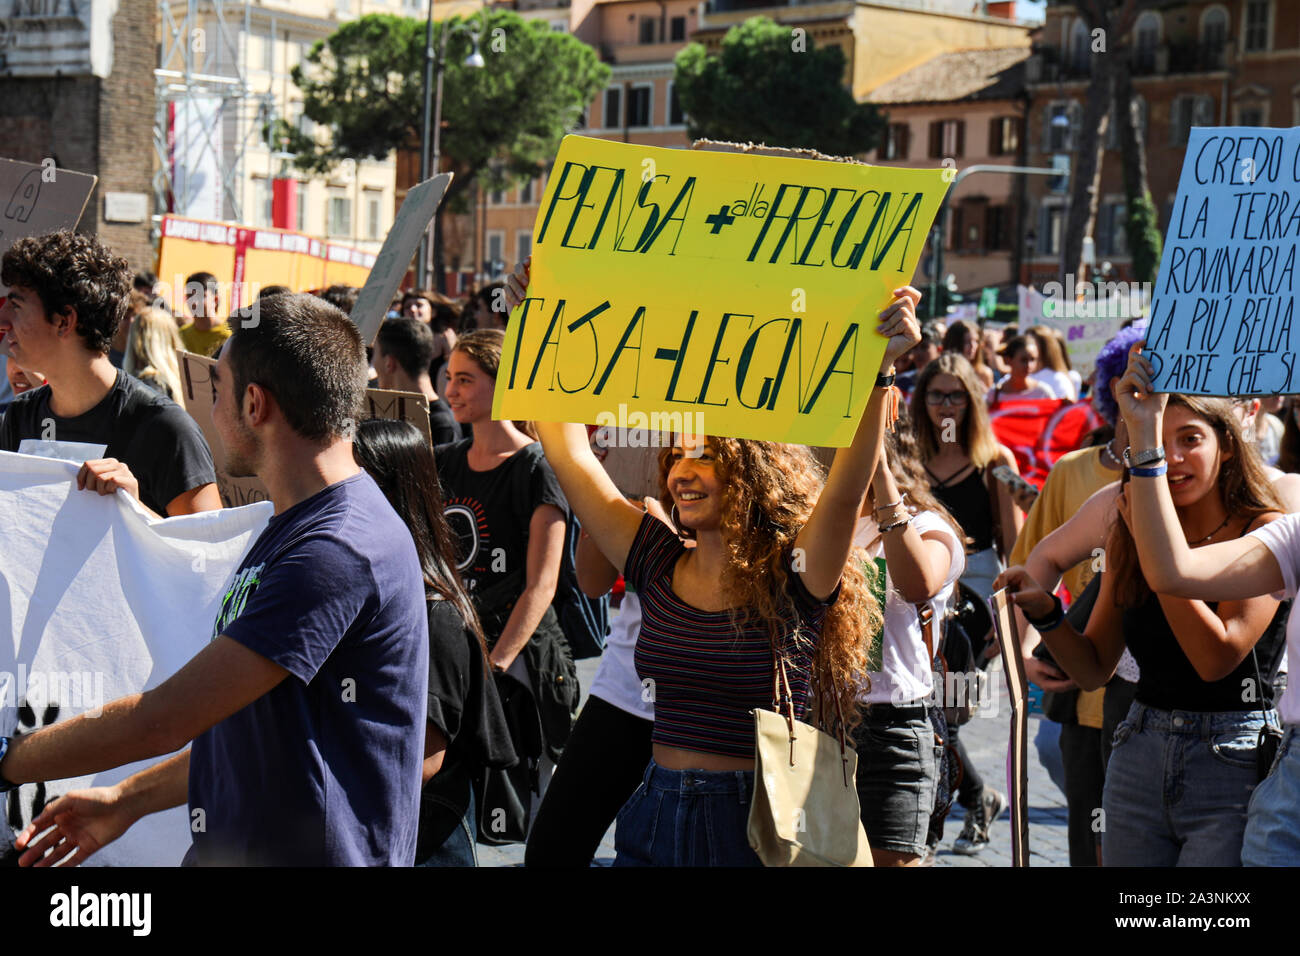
[(959, 451)]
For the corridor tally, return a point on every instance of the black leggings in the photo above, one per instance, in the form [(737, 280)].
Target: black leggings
[(602, 765)]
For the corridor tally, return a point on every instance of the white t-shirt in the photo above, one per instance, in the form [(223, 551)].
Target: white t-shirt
[(905, 676), (616, 681), (1037, 389), (1059, 382), (1283, 539)]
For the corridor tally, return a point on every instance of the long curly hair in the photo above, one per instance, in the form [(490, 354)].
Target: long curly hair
[(769, 490), (1242, 484)]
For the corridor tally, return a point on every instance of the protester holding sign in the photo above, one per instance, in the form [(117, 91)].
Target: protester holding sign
[(465, 731), (916, 554), (307, 709), (504, 502), (772, 549), (1201, 701), (67, 294)]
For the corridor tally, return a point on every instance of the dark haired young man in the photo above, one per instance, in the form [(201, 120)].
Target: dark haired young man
[(403, 353), (67, 296), (205, 332), (307, 708)]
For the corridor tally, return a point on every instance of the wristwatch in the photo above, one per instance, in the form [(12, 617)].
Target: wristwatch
[(1143, 457), (885, 381), (5, 785)]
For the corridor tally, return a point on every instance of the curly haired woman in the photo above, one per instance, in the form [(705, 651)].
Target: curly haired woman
[(712, 614)]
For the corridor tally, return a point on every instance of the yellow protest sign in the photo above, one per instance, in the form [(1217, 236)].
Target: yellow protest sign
[(739, 290)]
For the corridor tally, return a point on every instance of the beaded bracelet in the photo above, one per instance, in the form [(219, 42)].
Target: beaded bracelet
[(897, 524)]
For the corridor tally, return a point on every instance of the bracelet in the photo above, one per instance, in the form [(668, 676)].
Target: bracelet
[(897, 524), (1052, 620), (884, 381), (1148, 457), (1155, 471), (892, 504)]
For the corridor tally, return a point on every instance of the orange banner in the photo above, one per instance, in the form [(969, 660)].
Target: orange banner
[(245, 259)]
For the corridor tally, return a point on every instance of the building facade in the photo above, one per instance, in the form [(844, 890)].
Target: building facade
[(1220, 63)]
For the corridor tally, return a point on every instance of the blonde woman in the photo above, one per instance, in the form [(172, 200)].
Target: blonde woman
[(151, 352), (959, 451), (1053, 366)]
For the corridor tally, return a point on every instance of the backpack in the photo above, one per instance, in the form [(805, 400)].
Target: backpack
[(584, 620)]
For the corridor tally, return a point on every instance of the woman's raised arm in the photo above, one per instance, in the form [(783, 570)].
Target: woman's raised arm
[(1231, 571), (823, 545)]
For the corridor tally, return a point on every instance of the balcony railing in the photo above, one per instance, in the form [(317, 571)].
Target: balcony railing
[(1051, 64)]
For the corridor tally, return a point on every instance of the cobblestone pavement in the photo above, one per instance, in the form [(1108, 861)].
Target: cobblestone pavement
[(985, 738)]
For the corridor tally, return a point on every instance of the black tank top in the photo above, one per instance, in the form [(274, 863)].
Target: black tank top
[(1170, 682), (968, 502)]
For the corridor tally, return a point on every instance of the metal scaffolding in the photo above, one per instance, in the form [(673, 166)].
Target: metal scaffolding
[(207, 116)]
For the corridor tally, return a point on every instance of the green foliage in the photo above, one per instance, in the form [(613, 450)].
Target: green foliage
[(1144, 241), (365, 83), (769, 85)]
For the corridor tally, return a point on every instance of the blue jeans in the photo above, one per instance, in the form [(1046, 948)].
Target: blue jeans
[(687, 818), (458, 849), (1177, 787), (1273, 819)]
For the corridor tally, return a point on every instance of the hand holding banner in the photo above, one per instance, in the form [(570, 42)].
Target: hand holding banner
[(671, 286), (1221, 316)]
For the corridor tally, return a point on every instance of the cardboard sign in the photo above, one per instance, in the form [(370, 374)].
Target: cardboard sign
[(199, 394), (1222, 316), (1086, 324), (1004, 624), (403, 240), (39, 198), (728, 293)]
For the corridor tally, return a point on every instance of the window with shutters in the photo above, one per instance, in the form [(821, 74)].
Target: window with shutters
[(956, 221), (1111, 238), (1187, 111), (1147, 38), (997, 228), (1080, 48), (1214, 35), (526, 197), (675, 115), (677, 29), (1004, 136), (648, 27), (613, 118), (947, 139), (1049, 243), (1062, 121), (896, 142), (1255, 25), (639, 103)]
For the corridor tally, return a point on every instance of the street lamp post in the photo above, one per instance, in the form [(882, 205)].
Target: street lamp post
[(941, 219), (430, 145)]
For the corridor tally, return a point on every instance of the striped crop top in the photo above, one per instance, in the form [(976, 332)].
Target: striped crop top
[(707, 677)]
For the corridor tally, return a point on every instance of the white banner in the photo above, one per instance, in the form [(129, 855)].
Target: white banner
[(99, 601)]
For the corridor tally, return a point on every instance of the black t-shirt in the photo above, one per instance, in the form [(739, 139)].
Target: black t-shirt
[(465, 706), (443, 427), (490, 512), (151, 434)]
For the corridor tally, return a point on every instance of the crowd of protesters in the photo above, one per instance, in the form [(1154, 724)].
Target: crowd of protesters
[(446, 577)]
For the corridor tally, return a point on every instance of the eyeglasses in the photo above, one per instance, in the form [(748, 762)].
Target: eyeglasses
[(956, 399)]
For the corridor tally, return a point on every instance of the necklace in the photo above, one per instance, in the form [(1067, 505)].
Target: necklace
[(1112, 456), (1212, 533)]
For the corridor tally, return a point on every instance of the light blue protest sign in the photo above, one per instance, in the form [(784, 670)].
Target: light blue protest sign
[(1222, 311)]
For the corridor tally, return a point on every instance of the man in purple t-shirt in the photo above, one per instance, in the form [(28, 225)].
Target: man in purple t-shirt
[(306, 710)]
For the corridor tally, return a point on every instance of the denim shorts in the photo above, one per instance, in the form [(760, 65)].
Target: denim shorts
[(1177, 787), (1273, 819), (687, 818), (898, 774)]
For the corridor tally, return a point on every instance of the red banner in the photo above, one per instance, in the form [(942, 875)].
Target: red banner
[(1041, 430)]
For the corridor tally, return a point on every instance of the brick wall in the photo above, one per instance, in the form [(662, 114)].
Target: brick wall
[(96, 126)]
